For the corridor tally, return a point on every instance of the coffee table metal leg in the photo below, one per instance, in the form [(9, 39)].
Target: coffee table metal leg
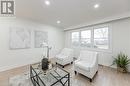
[(68, 79)]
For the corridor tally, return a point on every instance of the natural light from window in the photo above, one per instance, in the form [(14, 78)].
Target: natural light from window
[(86, 38), (101, 38), (75, 38), (96, 38)]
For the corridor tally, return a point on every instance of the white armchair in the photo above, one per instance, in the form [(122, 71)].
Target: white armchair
[(65, 57), (87, 64)]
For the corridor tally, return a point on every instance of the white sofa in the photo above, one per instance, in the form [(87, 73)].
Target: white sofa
[(87, 64), (65, 57)]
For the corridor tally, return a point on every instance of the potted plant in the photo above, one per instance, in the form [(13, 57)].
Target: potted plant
[(121, 61)]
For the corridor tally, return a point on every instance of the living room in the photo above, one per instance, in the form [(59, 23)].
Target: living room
[(86, 42)]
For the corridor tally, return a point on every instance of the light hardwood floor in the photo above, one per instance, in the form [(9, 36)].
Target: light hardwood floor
[(105, 77)]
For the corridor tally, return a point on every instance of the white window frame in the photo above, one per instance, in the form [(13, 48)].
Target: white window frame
[(92, 38), (71, 39), (109, 38)]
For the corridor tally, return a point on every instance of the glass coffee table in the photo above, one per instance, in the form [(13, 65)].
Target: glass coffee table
[(54, 76)]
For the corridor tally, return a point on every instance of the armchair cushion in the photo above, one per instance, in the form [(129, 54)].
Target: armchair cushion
[(83, 65), (65, 56), (61, 57)]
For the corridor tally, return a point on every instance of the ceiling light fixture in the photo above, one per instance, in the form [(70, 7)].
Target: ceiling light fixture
[(47, 2), (58, 22), (96, 6)]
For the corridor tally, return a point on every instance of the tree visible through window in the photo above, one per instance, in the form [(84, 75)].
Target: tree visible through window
[(86, 38), (92, 38), (101, 38)]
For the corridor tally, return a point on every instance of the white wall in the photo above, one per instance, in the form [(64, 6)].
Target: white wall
[(120, 41), (15, 58)]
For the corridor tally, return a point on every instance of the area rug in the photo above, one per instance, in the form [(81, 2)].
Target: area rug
[(24, 80), (20, 80)]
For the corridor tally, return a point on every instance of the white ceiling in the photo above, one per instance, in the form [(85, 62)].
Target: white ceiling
[(70, 12)]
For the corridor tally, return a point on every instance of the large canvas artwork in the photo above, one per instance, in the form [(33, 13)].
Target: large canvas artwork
[(40, 37), (20, 38)]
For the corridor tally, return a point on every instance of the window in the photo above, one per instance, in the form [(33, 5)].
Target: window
[(95, 38), (101, 38), (75, 38), (86, 38)]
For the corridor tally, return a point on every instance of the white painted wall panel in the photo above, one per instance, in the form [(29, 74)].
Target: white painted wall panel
[(15, 58)]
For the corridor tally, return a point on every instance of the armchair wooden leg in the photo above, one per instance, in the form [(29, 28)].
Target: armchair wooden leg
[(56, 62), (96, 72), (90, 80), (75, 72)]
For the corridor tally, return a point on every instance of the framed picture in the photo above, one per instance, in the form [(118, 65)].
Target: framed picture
[(40, 37), (20, 38)]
